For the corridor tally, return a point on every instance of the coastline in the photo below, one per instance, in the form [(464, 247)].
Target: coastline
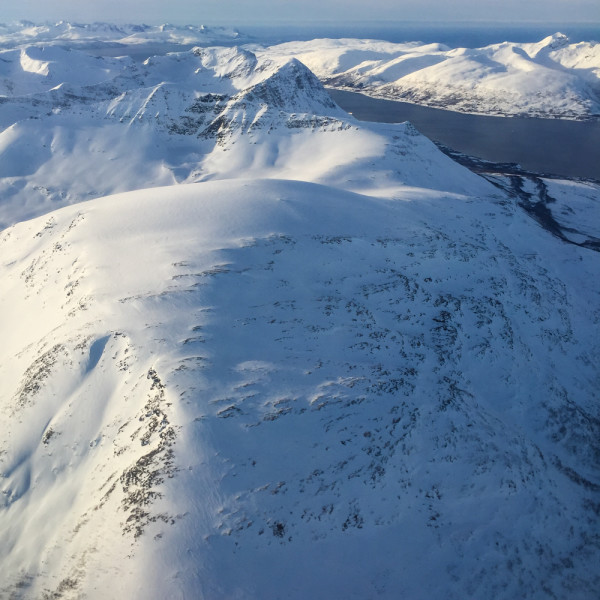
[(549, 146)]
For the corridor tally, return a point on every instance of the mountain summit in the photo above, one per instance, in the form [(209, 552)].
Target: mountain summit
[(218, 377)]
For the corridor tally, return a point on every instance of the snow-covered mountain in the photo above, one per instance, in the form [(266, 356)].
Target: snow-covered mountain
[(552, 78), (271, 388), (83, 34), (336, 364), (266, 388), (186, 117)]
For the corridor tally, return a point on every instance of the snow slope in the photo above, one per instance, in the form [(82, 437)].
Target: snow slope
[(35, 70), (550, 79), (268, 388), (186, 117)]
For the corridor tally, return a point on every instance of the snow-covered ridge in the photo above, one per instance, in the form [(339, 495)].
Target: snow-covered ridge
[(551, 78), (244, 388), (25, 32), (76, 127)]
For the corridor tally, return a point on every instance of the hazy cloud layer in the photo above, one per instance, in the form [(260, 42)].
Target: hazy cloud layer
[(238, 12)]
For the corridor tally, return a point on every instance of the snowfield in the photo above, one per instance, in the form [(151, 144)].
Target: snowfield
[(334, 364), (202, 380), (84, 34), (552, 78)]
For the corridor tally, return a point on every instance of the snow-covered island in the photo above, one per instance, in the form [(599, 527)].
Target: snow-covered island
[(255, 348)]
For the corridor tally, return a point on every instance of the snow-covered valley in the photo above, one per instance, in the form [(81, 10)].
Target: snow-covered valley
[(334, 364)]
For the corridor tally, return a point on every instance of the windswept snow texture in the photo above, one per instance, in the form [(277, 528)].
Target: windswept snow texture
[(262, 389), (552, 78), (336, 364)]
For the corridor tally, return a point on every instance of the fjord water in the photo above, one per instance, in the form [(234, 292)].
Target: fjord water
[(545, 146)]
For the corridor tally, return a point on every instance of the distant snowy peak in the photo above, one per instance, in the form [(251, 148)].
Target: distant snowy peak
[(291, 96), (231, 63), (556, 41), (291, 87), (550, 78), (215, 91), (25, 32), (583, 58)]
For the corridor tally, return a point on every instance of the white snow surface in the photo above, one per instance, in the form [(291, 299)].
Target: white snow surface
[(27, 32), (335, 364), (270, 388), (552, 78)]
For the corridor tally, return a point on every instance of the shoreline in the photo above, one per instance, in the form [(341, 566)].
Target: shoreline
[(594, 118), (555, 147)]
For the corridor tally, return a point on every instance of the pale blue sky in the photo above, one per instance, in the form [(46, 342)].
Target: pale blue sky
[(238, 12)]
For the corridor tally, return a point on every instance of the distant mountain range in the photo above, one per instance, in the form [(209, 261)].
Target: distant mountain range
[(552, 78), (26, 32)]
